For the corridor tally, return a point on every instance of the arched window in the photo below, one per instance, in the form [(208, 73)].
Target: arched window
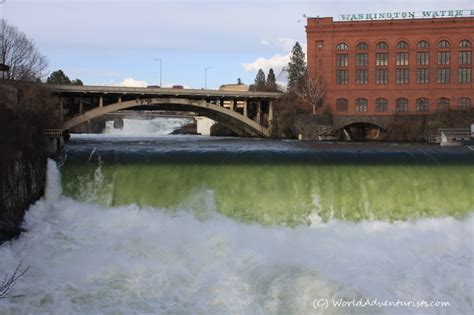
[(362, 105), (401, 105), (362, 46), (465, 44), (381, 105), (442, 103), (422, 104), (423, 44), (341, 105), (465, 56), (444, 44), (402, 45), (342, 46), (444, 57), (464, 103), (382, 45)]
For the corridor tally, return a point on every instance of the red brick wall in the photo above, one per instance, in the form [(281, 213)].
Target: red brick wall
[(323, 34)]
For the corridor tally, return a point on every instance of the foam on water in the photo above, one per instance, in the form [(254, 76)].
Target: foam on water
[(88, 259)]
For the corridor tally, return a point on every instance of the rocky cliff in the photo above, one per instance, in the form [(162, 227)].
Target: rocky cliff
[(25, 111), (22, 182)]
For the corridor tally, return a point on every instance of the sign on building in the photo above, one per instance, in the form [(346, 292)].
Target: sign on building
[(407, 15)]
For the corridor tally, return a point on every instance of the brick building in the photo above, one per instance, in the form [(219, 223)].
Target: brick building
[(385, 67)]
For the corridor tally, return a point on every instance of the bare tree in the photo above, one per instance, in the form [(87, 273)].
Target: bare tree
[(20, 54), (313, 91), (6, 287)]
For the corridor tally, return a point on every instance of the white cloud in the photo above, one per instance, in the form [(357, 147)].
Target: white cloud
[(276, 62), (264, 42), (129, 82)]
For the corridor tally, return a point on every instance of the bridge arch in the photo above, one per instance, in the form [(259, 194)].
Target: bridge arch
[(381, 121), (231, 119), (362, 130)]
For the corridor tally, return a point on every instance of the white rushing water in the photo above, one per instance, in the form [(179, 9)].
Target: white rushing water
[(146, 127), (86, 259)]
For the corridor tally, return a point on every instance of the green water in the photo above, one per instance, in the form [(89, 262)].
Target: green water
[(279, 194)]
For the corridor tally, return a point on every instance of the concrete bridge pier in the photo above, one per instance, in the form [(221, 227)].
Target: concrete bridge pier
[(55, 140), (258, 119), (61, 110), (270, 114), (81, 106)]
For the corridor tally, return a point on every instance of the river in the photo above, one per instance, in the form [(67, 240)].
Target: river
[(136, 222)]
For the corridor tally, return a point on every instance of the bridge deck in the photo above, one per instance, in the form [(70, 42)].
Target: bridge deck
[(188, 93)]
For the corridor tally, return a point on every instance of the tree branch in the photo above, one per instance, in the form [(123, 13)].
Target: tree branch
[(8, 283)]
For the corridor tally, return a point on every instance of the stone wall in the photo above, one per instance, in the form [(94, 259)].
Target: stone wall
[(22, 182), (395, 127), (313, 127)]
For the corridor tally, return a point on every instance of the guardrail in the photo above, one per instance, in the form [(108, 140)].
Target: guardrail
[(454, 136), (53, 133), (444, 135)]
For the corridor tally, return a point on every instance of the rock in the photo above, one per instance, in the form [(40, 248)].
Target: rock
[(189, 129)]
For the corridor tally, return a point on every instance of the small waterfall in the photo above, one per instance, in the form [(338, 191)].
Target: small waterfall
[(347, 136), (146, 127)]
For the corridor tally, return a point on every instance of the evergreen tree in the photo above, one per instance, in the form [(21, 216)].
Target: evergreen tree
[(58, 77), (296, 70), (77, 82), (260, 83), (271, 81)]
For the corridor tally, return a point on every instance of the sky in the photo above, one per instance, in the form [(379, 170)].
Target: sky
[(118, 42)]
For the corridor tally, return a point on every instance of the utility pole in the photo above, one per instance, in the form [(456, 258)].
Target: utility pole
[(205, 77), (159, 59)]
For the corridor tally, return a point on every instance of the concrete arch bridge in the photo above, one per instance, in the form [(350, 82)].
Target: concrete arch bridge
[(246, 113)]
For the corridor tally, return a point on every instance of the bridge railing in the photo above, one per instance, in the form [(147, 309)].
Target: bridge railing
[(53, 133), (432, 111)]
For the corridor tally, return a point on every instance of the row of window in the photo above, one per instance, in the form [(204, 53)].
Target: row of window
[(404, 45), (402, 58), (401, 104), (402, 76)]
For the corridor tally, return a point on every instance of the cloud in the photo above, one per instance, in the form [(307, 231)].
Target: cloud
[(129, 82), (276, 62), (264, 42)]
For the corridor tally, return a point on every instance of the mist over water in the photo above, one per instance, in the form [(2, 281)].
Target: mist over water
[(216, 226)]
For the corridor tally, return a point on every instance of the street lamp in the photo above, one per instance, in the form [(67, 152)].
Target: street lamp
[(159, 59), (205, 77)]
